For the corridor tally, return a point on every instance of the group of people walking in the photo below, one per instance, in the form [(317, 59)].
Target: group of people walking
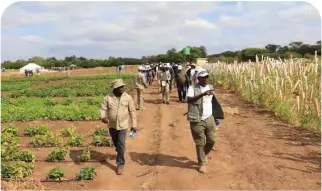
[(118, 110)]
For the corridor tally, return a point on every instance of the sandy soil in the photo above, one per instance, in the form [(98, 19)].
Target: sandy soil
[(254, 150)]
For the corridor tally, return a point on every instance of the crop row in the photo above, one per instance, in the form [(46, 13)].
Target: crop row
[(72, 88), (18, 163), (27, 109), (55, 78), (15, 86)]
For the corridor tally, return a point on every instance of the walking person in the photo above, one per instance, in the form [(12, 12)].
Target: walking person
[(200, 116), (165, 80), (139, 83), (118, 112), (181, 83), (150, 77), (159, 72), (172, 76)]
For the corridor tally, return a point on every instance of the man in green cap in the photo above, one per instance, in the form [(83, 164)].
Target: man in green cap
[(118, 112)]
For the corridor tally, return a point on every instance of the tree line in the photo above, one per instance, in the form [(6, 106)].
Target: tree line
[(296, 49)]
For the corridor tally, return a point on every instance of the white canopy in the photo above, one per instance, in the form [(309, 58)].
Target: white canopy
[(31, 66)]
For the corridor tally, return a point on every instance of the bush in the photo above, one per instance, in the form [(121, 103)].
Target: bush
[(58, 154), (86, 156), (26, 156), (101, 132), (16, 169), (76, 141), (86, 173), (56, 174), (10, 129), (9, 139), (46, 140), (8, 152), (68, 132), (102, 141), (36, 130)]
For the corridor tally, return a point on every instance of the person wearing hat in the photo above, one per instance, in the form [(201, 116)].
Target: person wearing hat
[(190, 72), (150, 76), (194, 78), (181, 83), (118, 112), (165, 84), (159, 72), (200, 116), (172, 74), (139, 83)]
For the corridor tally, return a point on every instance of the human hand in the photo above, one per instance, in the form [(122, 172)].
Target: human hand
[(133, 129), (208, 92)]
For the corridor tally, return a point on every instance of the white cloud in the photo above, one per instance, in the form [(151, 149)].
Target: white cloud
[(32, 38), (103, 29)]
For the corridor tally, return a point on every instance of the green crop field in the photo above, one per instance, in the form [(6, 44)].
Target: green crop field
[(49, 101)]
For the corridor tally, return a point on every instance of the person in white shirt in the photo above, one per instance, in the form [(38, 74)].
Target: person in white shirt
[(200, 117)]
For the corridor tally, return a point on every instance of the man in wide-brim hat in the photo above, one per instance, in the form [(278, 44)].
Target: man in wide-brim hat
[(140, 84), (118, 112), (165, 78)]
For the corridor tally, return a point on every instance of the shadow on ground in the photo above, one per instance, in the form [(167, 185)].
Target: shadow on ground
[(95, 156), (162, 160)]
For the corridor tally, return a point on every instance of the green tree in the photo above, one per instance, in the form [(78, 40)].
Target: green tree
[(272, 47)]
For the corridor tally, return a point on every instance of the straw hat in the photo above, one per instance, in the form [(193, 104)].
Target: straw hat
[(117, 83)]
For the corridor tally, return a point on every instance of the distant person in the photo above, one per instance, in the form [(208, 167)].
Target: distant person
[(187, 73), (165, 78), (153, 75), (170, 69), (200, 116), (118, 112), (190, 73), (150, 77), (181, 83), (139, 83)]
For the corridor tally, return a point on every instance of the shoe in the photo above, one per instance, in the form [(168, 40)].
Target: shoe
[(119, 171), (168, 103), (202, 169)]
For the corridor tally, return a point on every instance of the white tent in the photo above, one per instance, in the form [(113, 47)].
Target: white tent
[(31, 66)]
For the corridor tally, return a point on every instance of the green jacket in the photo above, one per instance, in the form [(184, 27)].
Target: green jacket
[(195, 109)]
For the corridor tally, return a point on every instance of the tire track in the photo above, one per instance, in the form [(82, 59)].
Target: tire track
[(152, 169)]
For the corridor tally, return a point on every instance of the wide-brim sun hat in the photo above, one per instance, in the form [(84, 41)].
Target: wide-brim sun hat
[(117, 83)]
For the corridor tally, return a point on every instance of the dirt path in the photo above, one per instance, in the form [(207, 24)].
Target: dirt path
[(254, 151)]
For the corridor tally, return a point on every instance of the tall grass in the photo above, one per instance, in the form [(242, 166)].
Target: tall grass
[(290, 88)]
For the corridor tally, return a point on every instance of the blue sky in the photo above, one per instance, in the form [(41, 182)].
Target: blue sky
[(136, 29)]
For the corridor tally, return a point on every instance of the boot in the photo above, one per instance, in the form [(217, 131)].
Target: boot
[(202, 169), (119, 171)]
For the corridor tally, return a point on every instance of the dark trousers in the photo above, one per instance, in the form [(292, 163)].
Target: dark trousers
[(170, 87), (118, 137), (181, 92)]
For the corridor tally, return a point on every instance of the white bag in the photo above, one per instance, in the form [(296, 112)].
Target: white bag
[(163, 83)]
